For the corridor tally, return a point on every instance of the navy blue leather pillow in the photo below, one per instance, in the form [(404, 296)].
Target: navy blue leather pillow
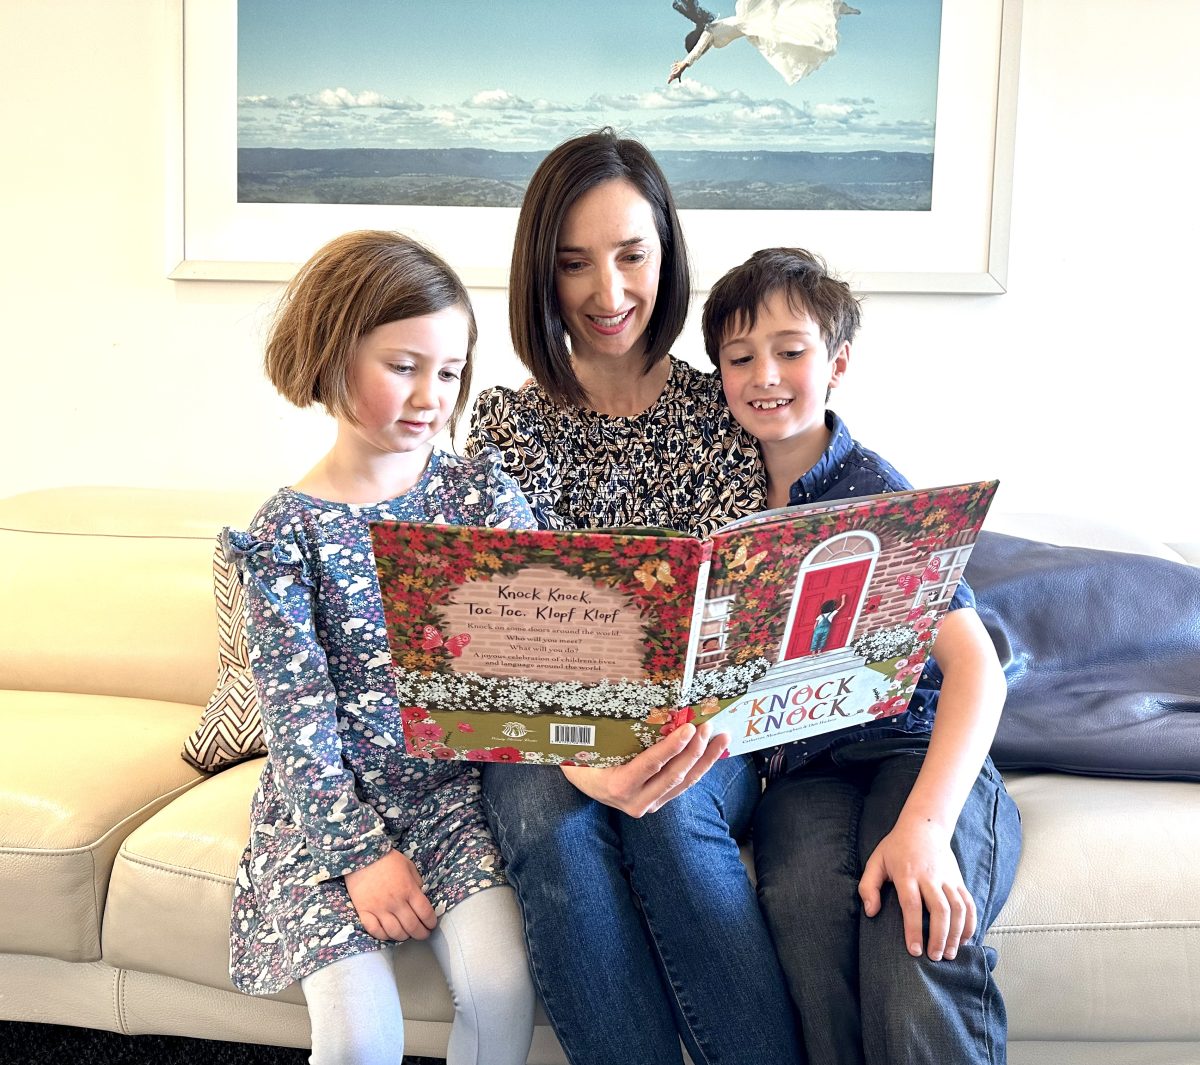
[(1101, 650)]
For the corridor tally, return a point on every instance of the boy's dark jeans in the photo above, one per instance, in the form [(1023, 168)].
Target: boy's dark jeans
[(861, 997)]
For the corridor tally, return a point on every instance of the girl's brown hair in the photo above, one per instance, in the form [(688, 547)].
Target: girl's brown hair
[(354, 284)]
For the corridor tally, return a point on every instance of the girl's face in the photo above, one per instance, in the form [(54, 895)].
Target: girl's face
[(607, 268), (405, 380)]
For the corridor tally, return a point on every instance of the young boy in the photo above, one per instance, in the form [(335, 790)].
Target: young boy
[(878, 975)]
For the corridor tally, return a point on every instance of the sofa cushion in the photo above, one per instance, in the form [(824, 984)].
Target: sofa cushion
[(1100, 935), (79, 773), (129, 609), (1101, 650), (230, 729), (171, 894)]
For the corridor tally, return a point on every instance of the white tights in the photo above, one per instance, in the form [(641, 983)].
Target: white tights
[(354, 1004)]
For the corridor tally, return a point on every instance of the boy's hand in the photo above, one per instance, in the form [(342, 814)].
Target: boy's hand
[(916, 857), (654, 777), (388, 896)]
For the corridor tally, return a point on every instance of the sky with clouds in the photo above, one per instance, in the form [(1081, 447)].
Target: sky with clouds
[(526, 74)]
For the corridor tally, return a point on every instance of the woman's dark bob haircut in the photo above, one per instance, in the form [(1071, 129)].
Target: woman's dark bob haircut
[(570, 170)]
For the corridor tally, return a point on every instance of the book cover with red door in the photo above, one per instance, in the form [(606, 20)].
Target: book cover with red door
[(585, 647), (822, 617)]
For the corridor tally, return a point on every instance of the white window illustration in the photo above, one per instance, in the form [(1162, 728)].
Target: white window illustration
[(949, 565), (714, 629)]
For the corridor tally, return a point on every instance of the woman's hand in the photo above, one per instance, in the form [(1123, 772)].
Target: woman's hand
[(916, 857), (654, 777), (388, 896), (677, 69)]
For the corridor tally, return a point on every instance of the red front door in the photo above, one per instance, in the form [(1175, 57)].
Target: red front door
[(821, 586)]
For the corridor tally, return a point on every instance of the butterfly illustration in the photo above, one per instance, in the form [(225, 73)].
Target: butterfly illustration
[(909, 582), (431, 638), (653, 572), (932, 571), (742, 559)]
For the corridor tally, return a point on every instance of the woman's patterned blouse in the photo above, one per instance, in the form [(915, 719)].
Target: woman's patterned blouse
[(683, 463)]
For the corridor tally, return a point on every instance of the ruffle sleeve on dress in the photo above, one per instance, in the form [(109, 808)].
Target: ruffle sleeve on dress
[(272, 567), (481, 493), (502, 420)]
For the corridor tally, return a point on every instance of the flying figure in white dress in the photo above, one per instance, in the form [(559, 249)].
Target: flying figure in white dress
[(794, 36)]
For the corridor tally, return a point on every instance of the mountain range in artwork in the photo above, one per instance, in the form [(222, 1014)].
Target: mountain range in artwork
[(478, 177)]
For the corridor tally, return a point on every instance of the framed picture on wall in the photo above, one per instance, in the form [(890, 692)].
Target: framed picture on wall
[(879, 134)]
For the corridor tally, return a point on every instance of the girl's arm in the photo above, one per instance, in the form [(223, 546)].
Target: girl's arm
[(299, 707), (299, 710), (916, 856)]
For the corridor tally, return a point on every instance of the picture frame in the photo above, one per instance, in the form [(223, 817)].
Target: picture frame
[(960, 245)]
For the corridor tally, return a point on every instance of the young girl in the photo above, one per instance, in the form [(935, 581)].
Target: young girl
[(354, 847)]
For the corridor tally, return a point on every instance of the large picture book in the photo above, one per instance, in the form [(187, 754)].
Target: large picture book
[(585, 647)]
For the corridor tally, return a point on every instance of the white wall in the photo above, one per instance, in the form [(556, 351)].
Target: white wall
[(1078, 387)]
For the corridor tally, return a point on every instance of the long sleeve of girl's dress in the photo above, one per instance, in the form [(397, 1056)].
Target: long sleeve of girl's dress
[(299, 705)]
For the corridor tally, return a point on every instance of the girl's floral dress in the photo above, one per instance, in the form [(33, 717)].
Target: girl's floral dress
[(337, 791)]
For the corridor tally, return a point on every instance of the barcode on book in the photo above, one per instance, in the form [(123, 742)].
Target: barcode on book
[(573, 735)]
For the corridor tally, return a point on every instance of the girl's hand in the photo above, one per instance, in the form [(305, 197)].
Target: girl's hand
[(388, 896), (677, 70), (654, 777), (916, 857)]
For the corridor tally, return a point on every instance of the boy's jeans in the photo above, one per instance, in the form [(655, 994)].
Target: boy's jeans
[(861, 997), (641, 930)]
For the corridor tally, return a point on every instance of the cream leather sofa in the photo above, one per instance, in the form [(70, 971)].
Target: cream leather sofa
[(116, 857)]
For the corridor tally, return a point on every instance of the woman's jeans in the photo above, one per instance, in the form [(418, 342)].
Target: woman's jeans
[(861, 997), (644, 930)]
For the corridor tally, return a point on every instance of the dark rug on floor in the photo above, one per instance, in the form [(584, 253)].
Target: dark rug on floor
[(56, 1044)]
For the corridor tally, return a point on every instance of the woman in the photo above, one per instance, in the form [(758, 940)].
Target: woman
[(641, 922)]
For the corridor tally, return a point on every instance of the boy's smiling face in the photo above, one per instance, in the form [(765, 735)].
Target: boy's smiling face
[(777, 376)]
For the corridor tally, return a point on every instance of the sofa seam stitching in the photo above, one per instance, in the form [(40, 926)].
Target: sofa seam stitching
[(90, 848), (175, 870)]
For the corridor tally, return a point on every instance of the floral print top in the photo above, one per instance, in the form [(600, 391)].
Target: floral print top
[(684, 463), (337, 792)]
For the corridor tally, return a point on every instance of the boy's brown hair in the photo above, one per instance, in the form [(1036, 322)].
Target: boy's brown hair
[(734, 301), (355, 283)]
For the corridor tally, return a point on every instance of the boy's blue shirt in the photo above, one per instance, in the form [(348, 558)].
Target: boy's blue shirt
[(847, 470)]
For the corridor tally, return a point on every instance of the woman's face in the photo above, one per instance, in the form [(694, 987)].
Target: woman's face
[(607, 268)]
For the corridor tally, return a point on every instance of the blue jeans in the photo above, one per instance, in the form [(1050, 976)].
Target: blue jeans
[(861, 997), (642, 931)]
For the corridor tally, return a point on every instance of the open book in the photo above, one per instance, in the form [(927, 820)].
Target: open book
[(587, 646)]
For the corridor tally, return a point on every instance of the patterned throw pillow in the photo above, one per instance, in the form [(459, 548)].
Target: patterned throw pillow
[(230, 729)]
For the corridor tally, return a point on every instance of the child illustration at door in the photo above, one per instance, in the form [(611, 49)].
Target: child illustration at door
[(826, 603), (824, 623)]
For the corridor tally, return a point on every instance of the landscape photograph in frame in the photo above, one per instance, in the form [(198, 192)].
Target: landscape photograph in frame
[(807, 105)]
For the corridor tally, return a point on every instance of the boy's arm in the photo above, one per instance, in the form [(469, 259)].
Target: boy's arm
[(916, 854)]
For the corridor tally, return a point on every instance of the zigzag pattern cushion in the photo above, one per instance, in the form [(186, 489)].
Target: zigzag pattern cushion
[(230, 728)]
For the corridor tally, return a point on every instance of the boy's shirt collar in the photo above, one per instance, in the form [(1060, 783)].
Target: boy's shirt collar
[(829, 469)]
